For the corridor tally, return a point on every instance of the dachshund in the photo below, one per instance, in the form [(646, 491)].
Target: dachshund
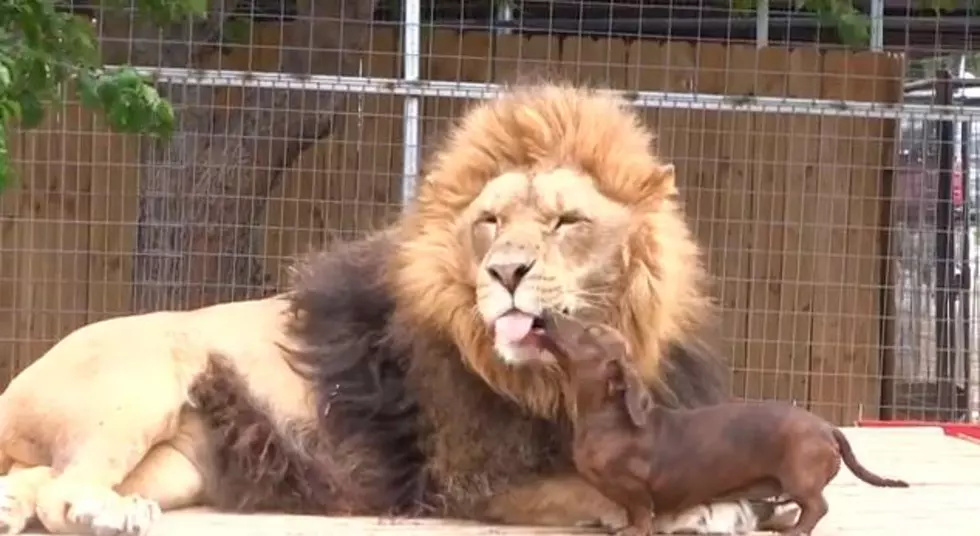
[(647, 457)]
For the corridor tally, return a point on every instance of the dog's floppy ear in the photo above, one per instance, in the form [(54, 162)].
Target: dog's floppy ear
[(635, 393)]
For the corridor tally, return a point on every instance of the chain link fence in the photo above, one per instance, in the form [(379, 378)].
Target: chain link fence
[(833, 186)]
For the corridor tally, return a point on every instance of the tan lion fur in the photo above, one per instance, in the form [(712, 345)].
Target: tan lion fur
[(380, 348), (539, 130), (113, 391)]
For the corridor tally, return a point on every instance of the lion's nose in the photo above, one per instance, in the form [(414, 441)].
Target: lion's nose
[(510, 274)]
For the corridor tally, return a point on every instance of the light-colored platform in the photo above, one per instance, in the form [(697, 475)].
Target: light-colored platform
[(944, 499)]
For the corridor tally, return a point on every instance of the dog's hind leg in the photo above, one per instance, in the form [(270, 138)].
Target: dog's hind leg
[(812, 510)]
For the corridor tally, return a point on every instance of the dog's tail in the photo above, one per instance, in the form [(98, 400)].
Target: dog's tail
[(259, 463), (847, 454)]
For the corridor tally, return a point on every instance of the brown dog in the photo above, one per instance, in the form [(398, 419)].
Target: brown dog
[(643, 457)]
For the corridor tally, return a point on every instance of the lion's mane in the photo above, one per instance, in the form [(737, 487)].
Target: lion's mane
[(662, 300), (385, 328)]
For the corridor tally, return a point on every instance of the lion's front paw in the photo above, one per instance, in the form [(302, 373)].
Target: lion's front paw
[(777, 518), (610, 523), (719, 518), (14, 514), (608, 526), (691, 521), (595, 524), (631, 531), (742, 517), (112, 515)]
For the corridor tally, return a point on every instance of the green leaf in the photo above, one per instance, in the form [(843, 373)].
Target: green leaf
[(9, 109), (31, 111), (5, 172), (235, 31), (744, 5), (5, 77), (42, 49), (166, 120), (88, 90)]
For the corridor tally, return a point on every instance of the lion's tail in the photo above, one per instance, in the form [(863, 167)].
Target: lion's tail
[(847, 454), (260, 464)]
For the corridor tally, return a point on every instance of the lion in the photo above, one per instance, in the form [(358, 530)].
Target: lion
[(395, 374)]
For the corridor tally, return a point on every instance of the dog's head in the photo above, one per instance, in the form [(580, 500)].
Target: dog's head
[(596, 360)]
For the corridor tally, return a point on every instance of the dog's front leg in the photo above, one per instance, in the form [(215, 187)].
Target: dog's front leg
[(568, 500), (559, 500)]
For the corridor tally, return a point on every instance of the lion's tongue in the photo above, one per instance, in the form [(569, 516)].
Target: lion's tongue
[(513, 327)]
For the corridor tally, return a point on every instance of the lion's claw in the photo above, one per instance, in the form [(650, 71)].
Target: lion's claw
[(13, 517)]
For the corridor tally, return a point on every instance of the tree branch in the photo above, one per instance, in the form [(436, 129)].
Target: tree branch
[(202, 193)]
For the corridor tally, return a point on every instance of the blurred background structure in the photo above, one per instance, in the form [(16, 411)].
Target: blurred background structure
[(830, 174)]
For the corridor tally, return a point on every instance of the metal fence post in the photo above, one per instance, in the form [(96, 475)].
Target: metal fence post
[(411, 48)]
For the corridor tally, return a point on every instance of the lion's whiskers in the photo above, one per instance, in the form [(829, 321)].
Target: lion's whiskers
[(592, 300)]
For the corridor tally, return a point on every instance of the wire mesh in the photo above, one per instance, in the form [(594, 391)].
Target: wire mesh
[(833, 188)]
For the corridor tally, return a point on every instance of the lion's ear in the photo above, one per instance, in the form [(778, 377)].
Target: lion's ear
[(636, 395)]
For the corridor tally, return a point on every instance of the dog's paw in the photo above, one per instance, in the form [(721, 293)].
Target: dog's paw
[(112, 515), (14, 515)]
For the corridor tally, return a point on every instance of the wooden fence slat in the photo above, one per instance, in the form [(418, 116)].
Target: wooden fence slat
[(785, 206), (873, 77), (655, 66), (52, 233), (830, 239), (114, 215), (765, 373), (518, 57), (726, 177), (375, 182), (739, 197), (451, 54), (454, 56), (798, 219), (597, 62)]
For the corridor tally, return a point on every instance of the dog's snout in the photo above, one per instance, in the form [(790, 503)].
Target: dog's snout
[(549, 321), (510, 274), (561, 326)]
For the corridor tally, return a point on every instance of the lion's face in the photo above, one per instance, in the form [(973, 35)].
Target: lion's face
[(542, 241), (548, 197)]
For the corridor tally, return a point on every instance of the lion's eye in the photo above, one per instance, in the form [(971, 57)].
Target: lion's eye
[(488, 218), (569, 218)]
